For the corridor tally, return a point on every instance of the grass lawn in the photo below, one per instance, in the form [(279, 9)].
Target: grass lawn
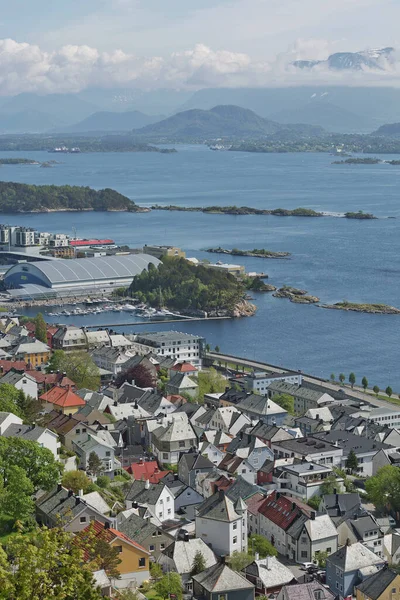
[(152, 595), (392, 400)]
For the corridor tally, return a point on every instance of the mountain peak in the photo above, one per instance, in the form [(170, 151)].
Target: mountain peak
[(355, 61)]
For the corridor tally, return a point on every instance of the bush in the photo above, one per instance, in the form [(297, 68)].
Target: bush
[(103, 481)]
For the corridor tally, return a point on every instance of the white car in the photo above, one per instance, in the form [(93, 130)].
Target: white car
[(307, 565)]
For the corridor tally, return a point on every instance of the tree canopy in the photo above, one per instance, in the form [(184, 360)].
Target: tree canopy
[(384, 488), (260, 544), (36, 462), (169, 584), (177, 284), (75, 481), (140, 374), (40, 328), (45, 564), (78, 366), (199, 563), (285, 401)]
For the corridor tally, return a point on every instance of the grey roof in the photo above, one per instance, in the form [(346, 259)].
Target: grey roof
[(181, 381), (218, 507), (271, 572), (297, 527), (362, 524), (349, 441), (221, 578), (354, 557), (194, 460), (158, 337), (305, 591), (138, 492), (64, 271), (137, 529), (241, 489), (260, 405), (269, 432), (27, 432), (307, 445), (374, 586), (183, 553)]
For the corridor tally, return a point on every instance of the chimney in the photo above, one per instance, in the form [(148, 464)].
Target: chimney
[(106, 525), (147, 484), (317, 416), (140, 461), (77, 501), (256, 556), (59, 487), (80, 493), (294, 505), (70, 493), (312, 516), (186, 537), (221, 494), (355, 517), (277, 496), (223, 559), (335, 492)]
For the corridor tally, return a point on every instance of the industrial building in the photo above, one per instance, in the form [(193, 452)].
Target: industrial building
[(75, 277)]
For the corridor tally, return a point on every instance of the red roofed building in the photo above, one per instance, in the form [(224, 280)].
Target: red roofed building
[(47, 380), (62, 399), (17, 365), (89, 243), (253, 516), (146, 470), (176, 399), (134, 565), (276, 514), (184, 367), (31, 327)]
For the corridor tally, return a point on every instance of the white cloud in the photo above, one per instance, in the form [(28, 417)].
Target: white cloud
[(71, 68)]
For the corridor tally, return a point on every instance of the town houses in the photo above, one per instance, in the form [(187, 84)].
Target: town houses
[(243, 484)]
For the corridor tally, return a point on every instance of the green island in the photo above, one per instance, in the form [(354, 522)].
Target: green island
[(358, 161), (393, 162), (256, 253), (106, 143), (18, 161), (382, 309), (295, 295), (359, 215), (21, 198), (256, 284), (241, 210), (178, 285)]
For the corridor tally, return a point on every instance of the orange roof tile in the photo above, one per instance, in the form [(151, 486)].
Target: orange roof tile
[(146, 470), (62, 397), (184, 367), (108, 534), (7, 365)]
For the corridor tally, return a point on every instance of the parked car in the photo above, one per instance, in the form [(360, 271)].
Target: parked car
[(307, 565)]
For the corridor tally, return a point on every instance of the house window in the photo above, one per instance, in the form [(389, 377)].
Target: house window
[(169, 511), (234, 541), (221, 596), (304, 540), (160, 514), (393, 590), (165, 455), (78, 431), (151, 547), (82, 519), (235, 525), (181, 444), (162, 546), (84, 430), (108, 453), (118, 548), (329, 550), (154, 534), (304, 554), (142, 562), (168, 498)]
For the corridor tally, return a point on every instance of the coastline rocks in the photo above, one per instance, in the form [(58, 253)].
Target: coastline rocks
[(381, 309), (253, 253), (296, 295), (244, 309)]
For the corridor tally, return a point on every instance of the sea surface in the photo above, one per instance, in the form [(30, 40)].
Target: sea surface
[(333, 258)]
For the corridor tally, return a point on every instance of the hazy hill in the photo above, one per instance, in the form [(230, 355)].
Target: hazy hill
[(328, 116), (221, 121), (353, 61), (112, 121), (374, 105), (27, 121), (389, 130)]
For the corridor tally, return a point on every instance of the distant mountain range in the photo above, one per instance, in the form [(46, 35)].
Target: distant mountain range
[(354, 61), (224, 121), (389, 130), (112, 121)]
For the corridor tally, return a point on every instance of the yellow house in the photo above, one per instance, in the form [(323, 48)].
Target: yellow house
[(383, 585), (33, 352), (134, 565)]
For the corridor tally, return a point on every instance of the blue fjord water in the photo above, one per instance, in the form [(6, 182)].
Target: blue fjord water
[(333, 258)]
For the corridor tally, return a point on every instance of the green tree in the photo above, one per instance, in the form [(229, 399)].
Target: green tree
[(78, 366), (103, 481), (352, 379), (199, 563), (285, 401), (352, 461), (210, 382), (364, 383), (328, 485), (239, 560), (208, 347), (40, 328), (375, 389), (16, 499), (217, 349), (314, 502), (389, 391), (9, 396), (37, 463), (95, 465), (169, 584), (384, 488), (260, 544), (45, 564), (155, 570), (75, 481), (342, 377), (321, 557), (332, 377)]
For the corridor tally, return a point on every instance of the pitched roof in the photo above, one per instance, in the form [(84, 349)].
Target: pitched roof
[(184, 367), (108, 534), (305, 591), (136, 528), (61, 423), (62, 397), (194, 460), (50, 378), (354, 557), (138, 492), (241, 488), (146, 470), (254, 503), (183, 553), (374, 586), (27, 432), (218, 507), (283, 510), (221, 578), (7, 365), (320, 528), (271, 572)]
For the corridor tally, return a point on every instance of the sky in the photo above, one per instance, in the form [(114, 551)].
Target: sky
[(69, 45)]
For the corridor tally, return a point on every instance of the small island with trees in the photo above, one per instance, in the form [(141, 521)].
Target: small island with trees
[(368, 160), (359, 215), (23, 198), (256, 253), (383, 309), (295, 295), (18, 161), (179, 285)]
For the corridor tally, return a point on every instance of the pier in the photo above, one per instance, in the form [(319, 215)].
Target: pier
[(157, 322)]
